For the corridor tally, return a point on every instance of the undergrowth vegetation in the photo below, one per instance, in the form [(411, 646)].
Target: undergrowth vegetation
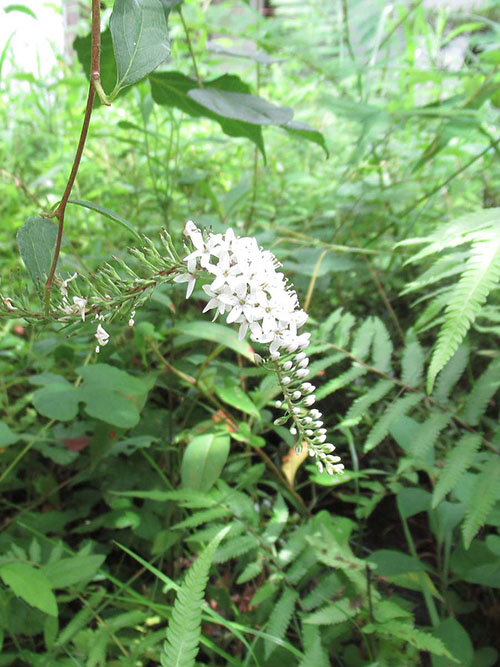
[(157, 507)]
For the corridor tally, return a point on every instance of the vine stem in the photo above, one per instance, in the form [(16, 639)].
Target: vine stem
[(94, 83)]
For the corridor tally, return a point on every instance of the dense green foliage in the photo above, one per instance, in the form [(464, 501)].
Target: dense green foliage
[(153, 512)]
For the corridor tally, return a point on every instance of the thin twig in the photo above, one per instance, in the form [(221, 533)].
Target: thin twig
[(190, 47)]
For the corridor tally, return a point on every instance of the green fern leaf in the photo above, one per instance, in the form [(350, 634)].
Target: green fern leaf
[(483, 497), (363, 339), (342, 332), (301, 566), (328, 586), (340, 381), (481, 275), (250, 572), (184, 628), (280, 620), (315, 654), (382, 346), (412, 364), (395, 411), (451, 374), (483, 391), (457, 462), (428, 433), (446, 267), (294, 546), (278, 521), (235, 548), (335, 613), (423, 641), (360, 406), (204, 516)]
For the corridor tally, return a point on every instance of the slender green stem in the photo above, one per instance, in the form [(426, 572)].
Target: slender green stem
[(26, 449), (190, 47), (429, 600)]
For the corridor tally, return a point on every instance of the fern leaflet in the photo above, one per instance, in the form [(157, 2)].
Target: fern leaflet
[(482, 392), (412, 364), (235, 548), (428, 433), (361, 404), (184, 629), (280, 619), (451, 374), (382, 346), (483, 497), (423, 641), (399, 408), (481, 275), (315, 654), (457, 462), (335, 613)]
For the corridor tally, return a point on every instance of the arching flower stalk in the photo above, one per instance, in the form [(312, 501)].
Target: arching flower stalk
[(245, 284)]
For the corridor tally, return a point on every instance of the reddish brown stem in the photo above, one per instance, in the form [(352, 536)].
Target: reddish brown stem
[(94, 77)]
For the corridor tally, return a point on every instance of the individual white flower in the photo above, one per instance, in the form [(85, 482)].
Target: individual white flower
[(189, 277), (102, 337), (8, 303), (64, 285)]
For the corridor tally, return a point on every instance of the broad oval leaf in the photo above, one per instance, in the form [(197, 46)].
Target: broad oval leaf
[(235, 396), (240, 106), (139, 30), (36, 240), (203, 460)]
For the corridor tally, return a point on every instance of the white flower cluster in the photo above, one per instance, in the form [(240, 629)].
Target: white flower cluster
[(79, 307), (246, 285)]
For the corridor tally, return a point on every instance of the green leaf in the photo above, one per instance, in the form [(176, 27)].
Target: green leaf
[(241, 106), (423, 641), (280, 620), (184, 628), (335, 613), (171, 89), (20, 8), (304, 131), (457, 462), (216, 333), (412, 501), (107, 213), (31, 585), (204, 460), (391, 563), (139, 30), (70, 571), (36, 240), (57, 398), (7, 436), (482, 500), (456, 640), (112, 395), (82, 46), (235, 396)]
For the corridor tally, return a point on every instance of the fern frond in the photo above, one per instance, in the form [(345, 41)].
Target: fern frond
[(428, 433), (342, 332), (278, 521), (483, 497), (363, 338), (204, 516), (334, 613), (314, 654), (481, 275), (204, 535), (360, 406), (301, 566), (446, 267), (459, 459), (250, 572), (412, 364), (395, 411), (294, 546), (422, 641), (184, 628), (340, 381), (382, 346), (330, 323), (235, 547), (328, 586), (451, 374), (280, 620), (484, 389)]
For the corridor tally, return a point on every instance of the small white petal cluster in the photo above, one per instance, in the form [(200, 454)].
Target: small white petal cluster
[(246, 286), (79, 305)]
